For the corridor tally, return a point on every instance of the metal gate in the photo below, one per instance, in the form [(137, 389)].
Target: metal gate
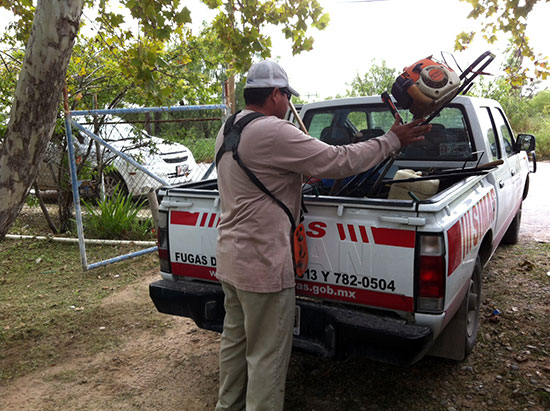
[(131, 163)]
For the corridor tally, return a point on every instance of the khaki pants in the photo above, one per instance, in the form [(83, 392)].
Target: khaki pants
[(255, 349)]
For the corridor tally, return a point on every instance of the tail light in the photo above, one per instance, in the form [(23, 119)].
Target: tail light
[(163, 246), (430, 288)]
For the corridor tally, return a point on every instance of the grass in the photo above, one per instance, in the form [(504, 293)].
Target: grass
[(117, 218), (51, 312), (50, 308), (202, 148)]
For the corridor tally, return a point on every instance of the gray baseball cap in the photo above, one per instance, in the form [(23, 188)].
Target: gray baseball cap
[(266, 74)]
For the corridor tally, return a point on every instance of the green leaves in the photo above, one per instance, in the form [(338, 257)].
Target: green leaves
[(322, 22), (158, 18), (378, 79), (507, 17), (240, 28), (20, 27), (463, 40), (158, 60), (112, 19)]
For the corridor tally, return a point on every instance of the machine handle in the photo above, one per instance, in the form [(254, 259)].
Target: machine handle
[(387, 100), (298, 118)]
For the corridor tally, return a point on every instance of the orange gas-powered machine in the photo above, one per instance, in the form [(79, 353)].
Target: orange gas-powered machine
[(427, 86), (424, 88)]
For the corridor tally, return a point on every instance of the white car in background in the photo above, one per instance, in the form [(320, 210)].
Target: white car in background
[(172, 162)]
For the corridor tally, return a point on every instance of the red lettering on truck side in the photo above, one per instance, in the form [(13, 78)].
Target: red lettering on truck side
[(475, 215), (355, 295), (454, 236), (350, 230), (316, 229), (469, 230)]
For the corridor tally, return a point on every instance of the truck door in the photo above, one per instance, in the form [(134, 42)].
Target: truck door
[(512, 158), (499, 177)]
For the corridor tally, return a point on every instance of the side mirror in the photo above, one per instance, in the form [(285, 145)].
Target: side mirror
[(526, 142)]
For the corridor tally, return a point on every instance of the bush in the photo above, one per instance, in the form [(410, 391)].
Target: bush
[(532, 116), (526, 114), (539, 121), (202, 148), (116, 218), (543, 139)]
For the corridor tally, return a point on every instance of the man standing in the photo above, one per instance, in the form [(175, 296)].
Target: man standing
[(254, 262)]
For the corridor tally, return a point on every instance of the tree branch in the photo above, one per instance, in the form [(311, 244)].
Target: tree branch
[(44, 209)]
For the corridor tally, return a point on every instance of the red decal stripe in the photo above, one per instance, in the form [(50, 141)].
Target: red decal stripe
[(183, 218), (471, 218), (194, 271), (203, 219), (454, 237), (394, 237), (341, 231), (212, 219), (363, 232), (355, 295), (352, 234), (468, 231), (472, 231), (462, 238)]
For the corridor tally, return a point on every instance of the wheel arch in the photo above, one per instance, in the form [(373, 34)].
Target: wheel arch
[(486, 248), (454, 343), (526, 187)]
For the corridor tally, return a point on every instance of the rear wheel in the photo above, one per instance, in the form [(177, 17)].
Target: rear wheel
[(512, 233), (473, 304), (459, 336)]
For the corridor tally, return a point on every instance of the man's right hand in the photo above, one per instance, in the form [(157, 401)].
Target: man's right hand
[(410, 132)]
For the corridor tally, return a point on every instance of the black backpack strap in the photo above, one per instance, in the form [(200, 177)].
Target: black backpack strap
[(232, 133), (232, 137), (261, 186)]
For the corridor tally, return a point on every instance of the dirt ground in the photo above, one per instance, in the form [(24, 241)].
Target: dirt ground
[(173, 365), (161, 362)]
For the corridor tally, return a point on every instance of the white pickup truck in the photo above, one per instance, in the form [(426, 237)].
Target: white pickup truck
[(395, 254)]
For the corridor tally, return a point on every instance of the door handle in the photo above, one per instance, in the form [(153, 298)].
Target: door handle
[(501, 183), (418, 221), (175, 204)]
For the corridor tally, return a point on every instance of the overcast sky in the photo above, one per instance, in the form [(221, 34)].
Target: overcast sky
[(397, 31)]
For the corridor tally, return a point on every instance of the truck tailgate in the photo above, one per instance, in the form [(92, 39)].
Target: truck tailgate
[(357, 254)]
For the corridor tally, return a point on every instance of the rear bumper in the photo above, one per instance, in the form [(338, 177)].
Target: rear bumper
[(203, 302), (328, 331)]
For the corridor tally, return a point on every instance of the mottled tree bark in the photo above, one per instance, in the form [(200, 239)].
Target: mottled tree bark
[(36, 102)]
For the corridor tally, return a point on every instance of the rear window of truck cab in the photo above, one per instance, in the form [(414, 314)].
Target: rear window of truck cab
[(449, 138)]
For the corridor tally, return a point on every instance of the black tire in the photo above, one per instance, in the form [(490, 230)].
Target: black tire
[(473, 305), (512, 233), (111, 180)]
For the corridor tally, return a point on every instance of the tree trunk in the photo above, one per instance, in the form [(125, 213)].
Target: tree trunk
[(231, 93), (65, 209), (36, 102)]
